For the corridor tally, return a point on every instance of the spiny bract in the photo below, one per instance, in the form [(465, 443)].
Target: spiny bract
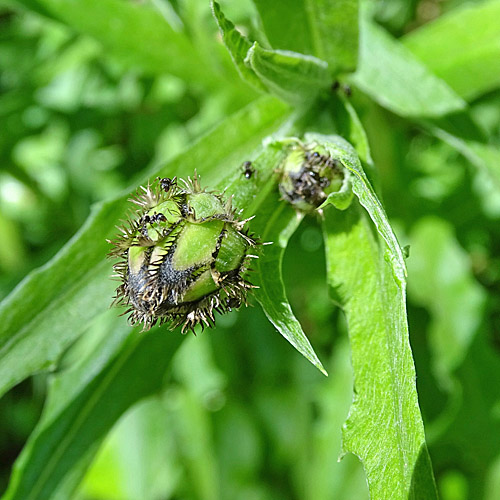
[(182, 254)]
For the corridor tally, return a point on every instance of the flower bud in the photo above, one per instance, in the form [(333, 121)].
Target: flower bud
[(182, 255), (309, 175)]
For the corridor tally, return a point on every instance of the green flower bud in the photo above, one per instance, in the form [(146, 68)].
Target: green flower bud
[(309, 175), (182, 255)]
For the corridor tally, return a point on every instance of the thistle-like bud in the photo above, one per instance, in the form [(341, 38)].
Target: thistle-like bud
[(182, 255), (309, 175)]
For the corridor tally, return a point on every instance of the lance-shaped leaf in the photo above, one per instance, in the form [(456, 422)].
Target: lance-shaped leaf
[(274, 222), (384, 428), (55, 303), (83, 405), (281, 221), (368, 277)]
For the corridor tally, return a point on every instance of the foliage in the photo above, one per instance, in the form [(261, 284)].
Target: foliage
[(98, 96)]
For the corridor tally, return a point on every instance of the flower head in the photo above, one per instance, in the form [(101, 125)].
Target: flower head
[(183, 254)]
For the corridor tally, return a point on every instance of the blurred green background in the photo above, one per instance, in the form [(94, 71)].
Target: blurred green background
[(244, 416)]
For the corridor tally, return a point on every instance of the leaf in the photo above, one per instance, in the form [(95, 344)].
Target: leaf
[(237, 45), (340, 149), (326, 29), (274, 222), (384, 428), (136, 33), (393, 77), (83, 405), (291, 76), (462, 47), (53, 305), (281, 222)]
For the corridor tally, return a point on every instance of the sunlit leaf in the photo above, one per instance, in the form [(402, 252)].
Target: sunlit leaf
[(384, 428)]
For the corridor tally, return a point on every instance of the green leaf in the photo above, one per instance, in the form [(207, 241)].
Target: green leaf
[(281, 222), (291, 76), (326, 29), (53, 305), (340, 149), (83, 405), (136, 33), (274, 222), (390, 74), (462, 47), (384, 428), (237, 45)]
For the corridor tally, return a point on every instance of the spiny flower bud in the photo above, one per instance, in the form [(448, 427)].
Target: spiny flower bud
[(182, 255), (309, 176)]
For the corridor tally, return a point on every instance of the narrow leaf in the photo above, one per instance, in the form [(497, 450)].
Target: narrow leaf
[(55, 303), (384, 428), (291, 76), (393, 77), (84, 403), (237, 45), (274, 222), (281, 222), (462, 47)]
